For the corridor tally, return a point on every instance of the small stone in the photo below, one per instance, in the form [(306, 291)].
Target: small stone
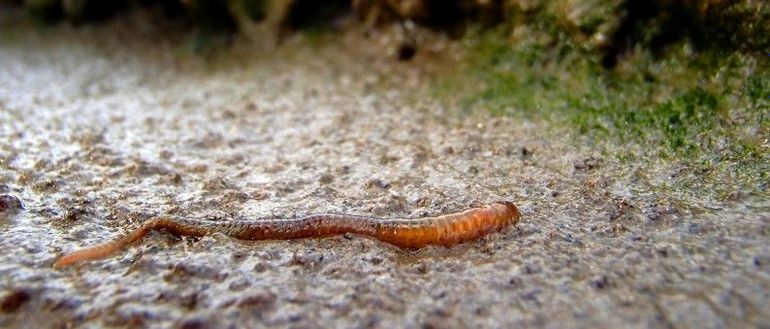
[(194, 323), (74, 214), (601, 282), (588, 164), (261, 267), (307, 260), (10, 203), (326, 179), (260, 301), (378, 183), (14, 300)]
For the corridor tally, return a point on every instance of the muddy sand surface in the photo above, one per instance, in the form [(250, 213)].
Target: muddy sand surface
[(105, 127)]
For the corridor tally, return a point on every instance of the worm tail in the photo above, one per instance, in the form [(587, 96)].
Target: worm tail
[(191, 228), (102, 250)]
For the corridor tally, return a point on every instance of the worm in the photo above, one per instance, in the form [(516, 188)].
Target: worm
[(445, 230)]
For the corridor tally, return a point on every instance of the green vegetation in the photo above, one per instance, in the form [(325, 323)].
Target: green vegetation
[(708, 110)]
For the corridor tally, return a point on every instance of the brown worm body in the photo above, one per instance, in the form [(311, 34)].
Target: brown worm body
[(443, 230)]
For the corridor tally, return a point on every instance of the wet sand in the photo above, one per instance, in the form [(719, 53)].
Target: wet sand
[(104, 127)]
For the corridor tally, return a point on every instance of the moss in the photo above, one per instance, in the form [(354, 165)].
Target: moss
[(706, 110)]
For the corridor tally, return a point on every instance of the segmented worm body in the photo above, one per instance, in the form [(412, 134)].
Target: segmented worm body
[(443, 230)]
